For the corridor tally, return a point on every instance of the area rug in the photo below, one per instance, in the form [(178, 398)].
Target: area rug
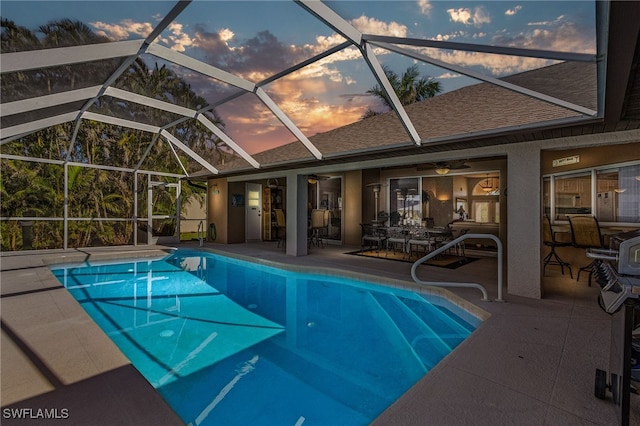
[(448, 261)]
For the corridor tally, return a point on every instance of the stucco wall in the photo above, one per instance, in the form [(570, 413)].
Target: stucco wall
[(217, 196), (236, 214), (194, 212), (590, 156), (352, 207)]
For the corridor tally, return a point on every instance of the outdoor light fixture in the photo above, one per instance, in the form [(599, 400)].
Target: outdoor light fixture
[(272, 183), (312, 180), (442, 170)]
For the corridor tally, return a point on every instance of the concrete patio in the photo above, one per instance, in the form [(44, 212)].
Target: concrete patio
[(532, 362)]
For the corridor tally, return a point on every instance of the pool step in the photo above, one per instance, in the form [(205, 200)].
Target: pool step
[(449, 326), (341, 384), (425, 343)]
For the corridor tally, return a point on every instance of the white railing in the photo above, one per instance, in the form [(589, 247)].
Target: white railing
[(201, 233), (464, 285)]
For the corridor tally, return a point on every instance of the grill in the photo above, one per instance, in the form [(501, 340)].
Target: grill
[(617, 272)]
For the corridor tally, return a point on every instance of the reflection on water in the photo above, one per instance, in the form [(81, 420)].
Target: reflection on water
[(224, 339)]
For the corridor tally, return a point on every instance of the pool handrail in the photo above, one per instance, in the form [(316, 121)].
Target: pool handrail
[(201, 233), (447, 246)]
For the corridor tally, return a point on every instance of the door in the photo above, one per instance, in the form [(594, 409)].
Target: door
[(163, 227), (329, 193), (254, 212)]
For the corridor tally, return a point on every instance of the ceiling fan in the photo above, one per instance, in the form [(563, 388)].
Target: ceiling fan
[(444, 167)]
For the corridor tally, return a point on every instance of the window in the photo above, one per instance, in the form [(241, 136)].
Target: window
[(614, 198), (481, 209), (629, 194), (546, 196), (486, 211), (572, 195), (618, 194), (405, 201)]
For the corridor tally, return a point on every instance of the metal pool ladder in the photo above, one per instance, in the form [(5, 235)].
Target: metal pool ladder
[(447, 246), (201, 233)]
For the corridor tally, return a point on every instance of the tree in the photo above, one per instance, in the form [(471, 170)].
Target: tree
[(35, 189), (407, 87)]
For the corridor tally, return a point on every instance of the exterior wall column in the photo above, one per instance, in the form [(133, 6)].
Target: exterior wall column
[(352, 208), (524, 262), (296, 215), (218, 208)]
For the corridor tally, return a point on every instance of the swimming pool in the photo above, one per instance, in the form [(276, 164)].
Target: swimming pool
[(227, 341)]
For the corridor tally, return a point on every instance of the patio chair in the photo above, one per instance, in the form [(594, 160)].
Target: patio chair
[(442, 235), (319, 226), (398, 235), (585, 233), (549, 240), (421, 239), (373, 235), (460, 247)]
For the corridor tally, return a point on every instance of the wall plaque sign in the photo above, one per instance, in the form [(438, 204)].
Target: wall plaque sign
[(566, 161)]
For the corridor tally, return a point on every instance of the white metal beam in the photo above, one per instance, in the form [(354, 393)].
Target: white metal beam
[(483, 48), (87, 165), (32, 126), (154, 103), (188, 151), (177, 158), (35, 59), (202, 118), (332, 19), (124, 66), (379, 74), (152, 129), (300, 65), (150, 102), (492, 80), (167, 20), (120, 122), (199, 66), (32, 159), (147, 151), (157, 173), (47, 101), (287, 122), (227, 140)]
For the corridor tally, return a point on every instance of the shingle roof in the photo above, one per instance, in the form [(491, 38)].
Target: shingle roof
[(479, 108)]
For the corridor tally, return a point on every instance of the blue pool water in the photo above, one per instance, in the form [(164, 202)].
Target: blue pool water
[(232, 342)]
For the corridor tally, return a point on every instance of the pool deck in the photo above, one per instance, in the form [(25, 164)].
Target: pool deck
[(532, 362)]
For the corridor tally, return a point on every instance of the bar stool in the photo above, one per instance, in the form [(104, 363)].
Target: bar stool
[(549, 240), (281, 227)]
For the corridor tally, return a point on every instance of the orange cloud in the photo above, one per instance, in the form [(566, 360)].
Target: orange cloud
[(123, 30)]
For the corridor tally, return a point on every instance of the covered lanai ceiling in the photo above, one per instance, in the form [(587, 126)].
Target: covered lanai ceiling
[(256, 97)]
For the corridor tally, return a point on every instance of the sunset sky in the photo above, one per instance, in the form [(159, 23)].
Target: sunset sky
[(260, 38)]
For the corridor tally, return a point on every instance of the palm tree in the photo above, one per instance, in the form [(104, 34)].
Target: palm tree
[(407, 87), (15, 38)]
